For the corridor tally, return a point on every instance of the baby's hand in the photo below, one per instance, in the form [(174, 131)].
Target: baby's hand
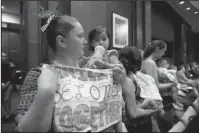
[(101, 64), (151, 103)]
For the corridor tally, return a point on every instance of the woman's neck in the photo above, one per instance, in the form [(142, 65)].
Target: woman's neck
[(61, 60), (151, 57)]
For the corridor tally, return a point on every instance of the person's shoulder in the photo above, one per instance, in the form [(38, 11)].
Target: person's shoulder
[(34, 72), (149, 62)]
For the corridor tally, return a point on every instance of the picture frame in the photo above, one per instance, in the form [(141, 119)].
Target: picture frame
[(120, 31)]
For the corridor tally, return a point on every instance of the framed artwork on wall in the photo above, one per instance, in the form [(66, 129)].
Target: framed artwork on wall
[(120, 31)]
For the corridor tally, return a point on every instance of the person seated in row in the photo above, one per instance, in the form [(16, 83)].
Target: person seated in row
[(186, 93), (183, 90), (182, 78), (187, 72), (194, 70)]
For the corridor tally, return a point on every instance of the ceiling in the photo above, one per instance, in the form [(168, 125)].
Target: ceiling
[(13, 6), (188, 15), (195, 4)]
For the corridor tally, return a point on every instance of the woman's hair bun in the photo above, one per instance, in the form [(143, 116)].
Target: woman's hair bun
[(44, 15)]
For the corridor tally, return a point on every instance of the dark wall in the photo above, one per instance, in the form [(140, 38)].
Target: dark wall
[(195, 49), (176, 27), (94, 13), (162, 27)]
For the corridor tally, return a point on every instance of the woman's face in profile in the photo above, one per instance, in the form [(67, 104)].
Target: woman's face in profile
[(160, 52), (75, 41)]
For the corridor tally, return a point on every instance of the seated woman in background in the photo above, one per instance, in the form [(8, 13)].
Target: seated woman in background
[(194, 70), (182, 78), (146, 93), (185, 95), (187, 71)]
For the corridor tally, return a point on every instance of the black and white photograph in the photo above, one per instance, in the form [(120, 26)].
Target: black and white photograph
[(99, 66)]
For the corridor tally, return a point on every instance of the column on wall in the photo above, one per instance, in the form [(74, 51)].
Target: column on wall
[(184, 35), (147, 22), (32, 33), (178, 42), (191, 41), (142, 23), (139, 32)]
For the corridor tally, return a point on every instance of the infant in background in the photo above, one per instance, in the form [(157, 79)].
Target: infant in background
[(166, 74)]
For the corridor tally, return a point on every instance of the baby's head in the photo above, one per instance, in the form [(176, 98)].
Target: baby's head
[(162, 63), (99, 37), (172, 67)]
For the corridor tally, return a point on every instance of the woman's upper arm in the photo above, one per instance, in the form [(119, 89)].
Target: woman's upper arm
[(129, 97), (27, 92)]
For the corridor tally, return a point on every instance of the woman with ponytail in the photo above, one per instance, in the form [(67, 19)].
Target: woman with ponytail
[(153, 51)]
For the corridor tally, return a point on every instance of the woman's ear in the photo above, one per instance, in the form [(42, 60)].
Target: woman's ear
[(157, 49), (60, 41)]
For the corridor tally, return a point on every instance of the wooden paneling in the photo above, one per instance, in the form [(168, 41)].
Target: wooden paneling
[(12, 47)]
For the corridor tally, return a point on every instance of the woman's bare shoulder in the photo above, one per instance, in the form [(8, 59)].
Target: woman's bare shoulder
[(148, 62)]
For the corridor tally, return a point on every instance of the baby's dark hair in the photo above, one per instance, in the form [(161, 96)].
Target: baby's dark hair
[(60, 25), (131, 59), (152, 47), (159, 62), (95, 33)]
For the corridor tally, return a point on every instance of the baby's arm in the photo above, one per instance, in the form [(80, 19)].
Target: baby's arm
[(148, 103), (113, 57)]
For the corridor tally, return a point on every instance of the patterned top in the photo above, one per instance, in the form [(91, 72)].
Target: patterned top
[(147, 86), (28, 92)]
